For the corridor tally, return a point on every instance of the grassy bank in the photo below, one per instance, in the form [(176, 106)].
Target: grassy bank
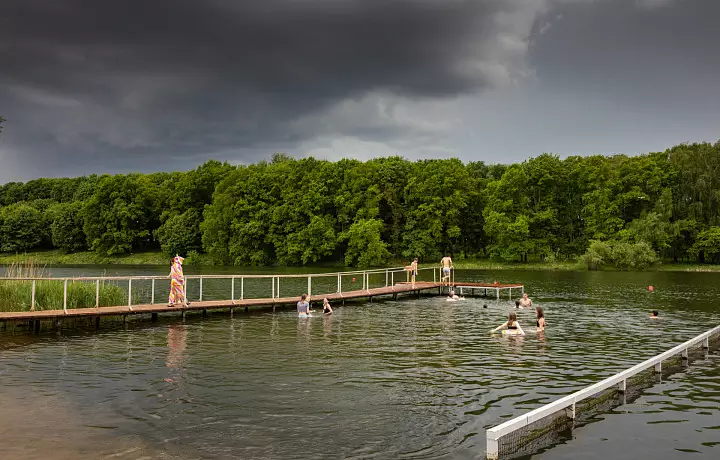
[(16, 295)]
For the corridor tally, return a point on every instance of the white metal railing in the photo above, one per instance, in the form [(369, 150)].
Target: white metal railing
[(275, 289), (494, 434)]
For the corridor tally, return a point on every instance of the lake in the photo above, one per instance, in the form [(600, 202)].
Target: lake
[(413, 378)]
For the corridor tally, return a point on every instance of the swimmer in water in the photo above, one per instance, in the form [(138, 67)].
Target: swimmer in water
[(454, 297), (303, 307), (511, 324), (327, 309), (655, 315), (540, 315), (526, 302), (517, 305)]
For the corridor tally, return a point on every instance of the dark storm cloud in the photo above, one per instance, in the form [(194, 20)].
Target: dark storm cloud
[(87, 79)]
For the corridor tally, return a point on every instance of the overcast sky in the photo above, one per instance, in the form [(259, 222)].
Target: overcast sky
[(107, 87)]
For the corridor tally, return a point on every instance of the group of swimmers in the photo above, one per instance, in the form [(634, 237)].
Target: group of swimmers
[(512, 325), (303, 307)]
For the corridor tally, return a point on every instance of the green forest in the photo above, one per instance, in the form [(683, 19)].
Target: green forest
[(620, 211)]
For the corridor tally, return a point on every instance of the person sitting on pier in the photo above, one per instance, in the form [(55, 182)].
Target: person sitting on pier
[(327, 309), (526, 302), (512, 326), (540, 315), (303, 307)]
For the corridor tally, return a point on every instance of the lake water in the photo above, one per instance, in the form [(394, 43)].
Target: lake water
[(413, 378)]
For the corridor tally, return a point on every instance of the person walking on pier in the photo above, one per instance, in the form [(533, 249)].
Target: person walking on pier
[(303, 307), (177, 283)]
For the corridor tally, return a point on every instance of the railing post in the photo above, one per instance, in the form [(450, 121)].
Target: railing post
[(65, 296), (232, 289), (339, 289), (97, 293), (622, 386), (32, 296), (130, 292), (309, 285), (492, 450), (152, 289), (201, 283), (185, 285), (658, 367), (706, 342), (684, 354), (363, 285), (277, 291), (434, 278), (242, 288), (392, 279)]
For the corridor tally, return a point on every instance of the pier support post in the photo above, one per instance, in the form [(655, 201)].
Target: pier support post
[(497, 292), (182, 314), (153, 317), (247, 309), (204, 313), (97, 322), (65, 296), (232, 310)]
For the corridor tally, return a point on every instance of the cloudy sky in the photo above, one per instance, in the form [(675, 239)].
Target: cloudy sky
[(105, 87)]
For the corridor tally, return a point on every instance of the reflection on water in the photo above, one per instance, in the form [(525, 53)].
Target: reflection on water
[(417, 378)]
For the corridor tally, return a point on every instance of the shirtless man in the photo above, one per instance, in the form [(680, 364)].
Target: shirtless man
[(414, 270), (446, 263), (525, 302)]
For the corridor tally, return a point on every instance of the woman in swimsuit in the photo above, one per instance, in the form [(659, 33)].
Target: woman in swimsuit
[(511, 325), (540, 314), (327, 309)]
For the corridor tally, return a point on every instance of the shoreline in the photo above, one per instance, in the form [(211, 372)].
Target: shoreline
[(56, 257)]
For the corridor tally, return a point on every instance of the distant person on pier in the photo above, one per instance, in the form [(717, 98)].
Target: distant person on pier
[(327, 309), (447, 265), (177, 283), (303, 307), (414, 270), (512, 326), (526, 302), (540, 315)]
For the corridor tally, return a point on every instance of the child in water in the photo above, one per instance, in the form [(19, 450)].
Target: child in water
[(327, 309), (511, 325), (655, 315), (540, 315)]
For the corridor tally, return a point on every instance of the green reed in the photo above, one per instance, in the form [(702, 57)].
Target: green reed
[(16, 295)]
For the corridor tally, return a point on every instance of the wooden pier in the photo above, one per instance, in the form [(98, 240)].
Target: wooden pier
[(374, 283)]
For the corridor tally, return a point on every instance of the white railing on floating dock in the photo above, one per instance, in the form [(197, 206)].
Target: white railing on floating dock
[(274, 292), (494, 434)]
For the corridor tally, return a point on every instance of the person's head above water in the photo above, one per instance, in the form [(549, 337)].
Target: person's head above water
[(517, 303), (512, 317), (525, 296), (452, 293), (484, 305), (655, 313), (303, 297), (539, 312)]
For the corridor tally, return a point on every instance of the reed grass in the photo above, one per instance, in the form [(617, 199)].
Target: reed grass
[(16, 295)]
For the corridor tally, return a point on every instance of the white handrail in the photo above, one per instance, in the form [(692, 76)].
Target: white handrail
[(495, 433)]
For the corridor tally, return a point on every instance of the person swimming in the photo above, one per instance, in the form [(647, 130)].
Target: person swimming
[(454, 297), (540, 315), (517, 305), (655, 315), (327, 309), (512, 325)]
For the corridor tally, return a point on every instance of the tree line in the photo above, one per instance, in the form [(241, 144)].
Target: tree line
[(626, 211)]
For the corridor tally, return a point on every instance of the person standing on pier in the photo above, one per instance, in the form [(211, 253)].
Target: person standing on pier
[(414, 270), (177, 283), (447, 265)]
